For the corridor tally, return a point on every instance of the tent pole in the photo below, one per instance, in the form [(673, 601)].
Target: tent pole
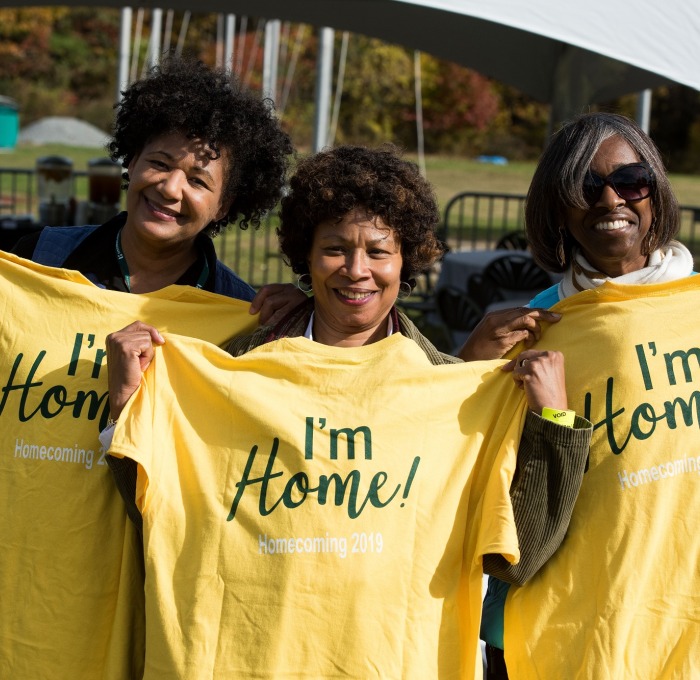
[(338, 88), (324, 76), (229, 43), (644, 109), (420, 145), (271, 58), (124, 51), (156, 28)]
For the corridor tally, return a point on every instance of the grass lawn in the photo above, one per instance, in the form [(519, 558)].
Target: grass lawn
[(254, 254), (449, 175)]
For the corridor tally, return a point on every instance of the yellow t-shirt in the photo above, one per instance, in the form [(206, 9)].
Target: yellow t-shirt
[(319, 512), (71, 584), (621, 597)]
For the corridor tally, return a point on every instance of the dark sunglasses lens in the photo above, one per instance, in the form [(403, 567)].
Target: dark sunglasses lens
[(592, 188), (632, 183)]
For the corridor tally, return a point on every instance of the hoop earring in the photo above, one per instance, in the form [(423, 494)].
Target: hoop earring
[(405, 289), (649, 241), (304, 283), (561, 253)]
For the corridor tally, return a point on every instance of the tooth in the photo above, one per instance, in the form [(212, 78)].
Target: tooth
[(611, 226)]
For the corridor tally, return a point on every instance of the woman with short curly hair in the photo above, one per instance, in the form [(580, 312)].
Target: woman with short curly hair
[(356, 224), (200, 152), (332, 183)]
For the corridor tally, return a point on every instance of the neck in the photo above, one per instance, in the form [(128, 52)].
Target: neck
[(155, 266), (330, 334)]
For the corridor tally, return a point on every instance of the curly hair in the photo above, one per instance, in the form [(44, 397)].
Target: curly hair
[(557, 185), (184, 95), (331, 183)]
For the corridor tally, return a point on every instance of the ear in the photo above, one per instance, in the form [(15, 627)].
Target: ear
[(132, 163), (223, 211)]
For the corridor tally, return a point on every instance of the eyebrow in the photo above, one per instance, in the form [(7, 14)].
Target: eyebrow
[(196, 169)]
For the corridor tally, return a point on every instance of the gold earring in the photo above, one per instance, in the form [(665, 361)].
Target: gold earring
[(561, 254)]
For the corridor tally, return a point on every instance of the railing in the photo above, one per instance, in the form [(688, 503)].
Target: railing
[(253, 254), (471, 220), (478, 220)]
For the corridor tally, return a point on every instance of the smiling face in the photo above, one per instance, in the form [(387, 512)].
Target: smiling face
[(355, 267), (611, 231), (175, 191)]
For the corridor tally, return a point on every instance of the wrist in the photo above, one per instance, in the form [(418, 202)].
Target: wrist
[(562, 417)]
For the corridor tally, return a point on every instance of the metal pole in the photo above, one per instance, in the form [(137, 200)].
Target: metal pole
[(156, 28), (183, 32), (137, 46), (419, 111), (644, 109), (338, 88), (243, 30), (124, 51), (229, 42), (324, 75), (271, 58), (219, 40), (169, 15)]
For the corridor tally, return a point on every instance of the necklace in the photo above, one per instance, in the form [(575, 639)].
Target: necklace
[(124, 267)]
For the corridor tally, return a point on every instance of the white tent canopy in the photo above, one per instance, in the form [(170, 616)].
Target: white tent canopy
[(566, 52)]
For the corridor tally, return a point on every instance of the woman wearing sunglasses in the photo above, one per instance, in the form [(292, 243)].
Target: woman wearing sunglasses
[(600, 207)]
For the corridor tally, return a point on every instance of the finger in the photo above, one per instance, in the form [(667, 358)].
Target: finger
[(133, 330), (156, 337), (259, 300), (281, 299), (544, 314), (509, 366)]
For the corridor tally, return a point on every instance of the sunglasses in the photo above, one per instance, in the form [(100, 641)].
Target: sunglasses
[(631, 182)]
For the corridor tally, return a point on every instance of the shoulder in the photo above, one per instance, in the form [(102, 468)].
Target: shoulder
[(435, 356), (291, 326), (245, 343), (55, 244), (547, 298), (230, 284)]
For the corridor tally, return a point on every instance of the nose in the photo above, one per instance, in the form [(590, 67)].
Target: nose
[(609, 198), (170, 185), (356, 265)]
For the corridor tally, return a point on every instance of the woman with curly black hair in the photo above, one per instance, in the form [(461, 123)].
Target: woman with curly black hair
[(200, 152), (356, 225)]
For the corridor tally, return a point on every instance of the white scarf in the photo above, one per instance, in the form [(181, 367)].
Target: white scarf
[(665, 264)]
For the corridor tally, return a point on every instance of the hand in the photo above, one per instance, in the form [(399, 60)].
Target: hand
[(274, 301), (129, 353), (498, 332), (541, 375)]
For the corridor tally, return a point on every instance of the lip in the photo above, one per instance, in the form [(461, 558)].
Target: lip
[(350, 296), (161, 212)]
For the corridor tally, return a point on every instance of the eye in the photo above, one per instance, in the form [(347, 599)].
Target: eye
[(334, 250), (159, 165), (196, 181)]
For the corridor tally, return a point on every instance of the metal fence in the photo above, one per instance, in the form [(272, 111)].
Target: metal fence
[(478, 220), (471, 220)]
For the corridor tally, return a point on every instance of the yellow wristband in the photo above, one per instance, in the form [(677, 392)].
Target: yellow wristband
[(565, 418)]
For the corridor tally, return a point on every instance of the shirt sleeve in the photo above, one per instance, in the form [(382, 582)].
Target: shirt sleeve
[(548, 475)]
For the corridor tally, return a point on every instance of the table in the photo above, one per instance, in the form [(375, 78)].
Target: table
[(459, 265), (14, 227)]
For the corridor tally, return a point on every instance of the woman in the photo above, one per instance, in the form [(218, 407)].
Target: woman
[(600, 208), (355, 226), (200, 152)]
